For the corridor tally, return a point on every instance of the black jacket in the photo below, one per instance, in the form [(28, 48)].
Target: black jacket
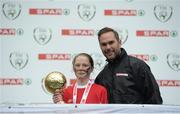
[(129, 80)]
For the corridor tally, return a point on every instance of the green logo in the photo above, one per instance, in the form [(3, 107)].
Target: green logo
[(66, 11), (173, 33), (141, 12), (153, 58), (27, 81)]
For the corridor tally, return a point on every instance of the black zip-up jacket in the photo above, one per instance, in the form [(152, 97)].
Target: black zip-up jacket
[(129, 80)]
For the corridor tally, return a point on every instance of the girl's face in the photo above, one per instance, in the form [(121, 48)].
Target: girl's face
[(82, 67)]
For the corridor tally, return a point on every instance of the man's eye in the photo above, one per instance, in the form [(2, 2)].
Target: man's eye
[(111, 42), (103, 44)]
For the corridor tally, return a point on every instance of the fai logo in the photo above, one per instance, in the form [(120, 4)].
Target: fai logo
[(42, 35), (11, 10), (98, 61), (86, 12), (18, 60), (163, 13), (123, 35), (173, 61)]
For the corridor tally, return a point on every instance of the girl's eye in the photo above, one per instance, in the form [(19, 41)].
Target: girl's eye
[(77, 65), (84, 65)]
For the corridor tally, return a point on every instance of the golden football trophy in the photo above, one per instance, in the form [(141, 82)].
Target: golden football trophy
[(53, 81)]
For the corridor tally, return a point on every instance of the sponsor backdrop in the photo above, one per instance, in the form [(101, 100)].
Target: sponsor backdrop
[(38, 37)]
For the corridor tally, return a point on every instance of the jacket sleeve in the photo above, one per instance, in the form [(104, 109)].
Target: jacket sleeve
[(104, 79), (150, 89)]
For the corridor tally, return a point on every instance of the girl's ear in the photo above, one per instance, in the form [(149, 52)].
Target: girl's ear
[(73, 68), (92, 68)]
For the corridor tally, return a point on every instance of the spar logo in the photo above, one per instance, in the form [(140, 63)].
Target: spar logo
[(145, 57), (59, 56), (156, 33), (46, 11), (11, 31), (123, 12), (78, 32), (15, 81), (169, 83)]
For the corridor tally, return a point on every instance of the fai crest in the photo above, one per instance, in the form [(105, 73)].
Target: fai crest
[(163, 13), (173, 61), (11, 10), (18, 60), (123, 35), (99, 62), (42, 35), (86, 12)]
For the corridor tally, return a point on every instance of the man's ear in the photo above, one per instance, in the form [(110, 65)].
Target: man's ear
[(120, 41)]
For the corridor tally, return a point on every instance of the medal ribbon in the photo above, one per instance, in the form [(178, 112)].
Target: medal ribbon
[(85, 94)]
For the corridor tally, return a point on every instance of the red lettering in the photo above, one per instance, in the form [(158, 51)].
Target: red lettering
[(120, 12), (152, 33), (5, 31), (79, 32), (33, 11), (13, 81)]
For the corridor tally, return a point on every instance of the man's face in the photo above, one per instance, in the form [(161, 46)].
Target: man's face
[(110, 46)]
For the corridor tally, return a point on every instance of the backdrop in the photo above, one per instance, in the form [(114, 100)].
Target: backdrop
[(38, 37)]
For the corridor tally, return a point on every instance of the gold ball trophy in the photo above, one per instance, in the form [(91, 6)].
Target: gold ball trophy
[(53, 81)]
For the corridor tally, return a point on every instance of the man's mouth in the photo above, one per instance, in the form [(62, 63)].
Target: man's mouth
[(109, 53)]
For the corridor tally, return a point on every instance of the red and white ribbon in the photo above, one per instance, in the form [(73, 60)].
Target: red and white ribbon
[(85, 94)]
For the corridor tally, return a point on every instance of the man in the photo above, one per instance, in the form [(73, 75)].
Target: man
[(127, 79)]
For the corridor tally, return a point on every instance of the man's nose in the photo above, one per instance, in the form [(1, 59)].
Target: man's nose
[(108, 46)]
